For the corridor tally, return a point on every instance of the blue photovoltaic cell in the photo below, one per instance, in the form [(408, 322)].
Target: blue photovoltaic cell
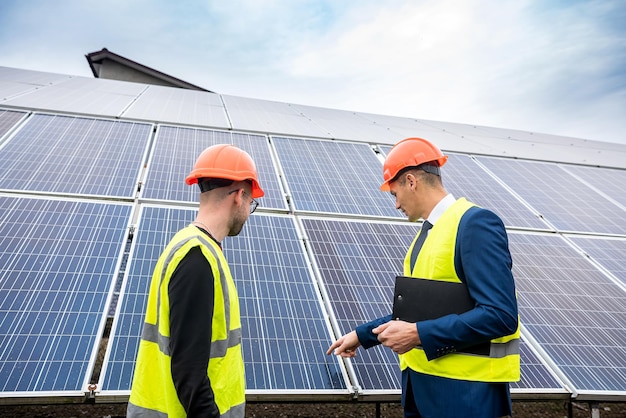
[(8, 119), (156, 228), (561, 198), (63, 154), (176, 150), (609, 181), (57, 265), (534, 373), (464, 178), (334, 177), (285, 333), (576, 313), (358, 262), (609, 253)]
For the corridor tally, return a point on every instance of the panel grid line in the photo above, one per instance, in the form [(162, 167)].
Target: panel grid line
[(58, 268)]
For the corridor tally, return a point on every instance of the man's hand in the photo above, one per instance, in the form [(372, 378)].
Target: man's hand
[(400, 336), (345, 346)]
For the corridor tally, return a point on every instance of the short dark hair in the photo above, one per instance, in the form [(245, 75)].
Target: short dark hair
[(430, 167), (208, 184), (429, 172)]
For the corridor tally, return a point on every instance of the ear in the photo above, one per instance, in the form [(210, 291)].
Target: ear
[(411, 180), (239, 197)]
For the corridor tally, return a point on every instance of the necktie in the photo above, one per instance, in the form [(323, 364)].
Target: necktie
[(420, 241)]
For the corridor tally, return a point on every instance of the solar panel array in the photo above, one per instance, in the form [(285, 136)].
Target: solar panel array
[(175, 152), (285, 333), (358, 262), (333, 177), (562, 199), (8, 119), (536, 377), (58, 260), (316, 259), (576, 313), (611, 183), (609, 253), (72, 155), (463, 177)]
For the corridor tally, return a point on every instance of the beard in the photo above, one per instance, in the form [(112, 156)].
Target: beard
[(237, 225)]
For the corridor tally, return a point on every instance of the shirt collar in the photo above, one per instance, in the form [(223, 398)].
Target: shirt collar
[(440, 208)]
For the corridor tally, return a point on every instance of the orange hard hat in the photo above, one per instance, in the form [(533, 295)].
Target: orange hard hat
[(409, 152), (225, 161)]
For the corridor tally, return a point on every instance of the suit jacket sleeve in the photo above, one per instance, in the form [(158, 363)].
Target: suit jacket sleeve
[(483, 261), (365, 335)]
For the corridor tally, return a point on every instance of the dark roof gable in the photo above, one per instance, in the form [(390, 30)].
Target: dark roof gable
[(108, 65)]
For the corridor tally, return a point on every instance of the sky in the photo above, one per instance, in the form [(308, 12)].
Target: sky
[(549, 66)]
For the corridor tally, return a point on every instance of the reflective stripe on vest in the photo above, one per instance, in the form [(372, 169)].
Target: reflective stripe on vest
[(218, 348), (499, 350), (502, 363), (496, 349)]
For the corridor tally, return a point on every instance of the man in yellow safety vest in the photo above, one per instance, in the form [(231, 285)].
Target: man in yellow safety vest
[(190, 360), (460, 242)]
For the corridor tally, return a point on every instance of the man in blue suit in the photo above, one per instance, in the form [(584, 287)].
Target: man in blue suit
[(458, 242)]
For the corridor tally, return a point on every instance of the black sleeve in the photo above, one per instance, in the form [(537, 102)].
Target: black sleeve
[(191, 292)]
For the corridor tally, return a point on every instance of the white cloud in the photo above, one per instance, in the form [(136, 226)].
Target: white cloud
[(510, 64), (554, 67), (420, 59)]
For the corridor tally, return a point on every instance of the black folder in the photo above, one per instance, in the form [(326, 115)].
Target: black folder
[(416, 299)]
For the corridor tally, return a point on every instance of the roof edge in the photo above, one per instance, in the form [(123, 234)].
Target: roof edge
[(95, 59)]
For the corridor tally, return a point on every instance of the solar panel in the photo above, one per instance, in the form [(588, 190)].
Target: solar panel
[(8, 119), (576, 313), (358, 262), (536, 376), (285, 333), (563, 200), (64, 154), (606, 180), (176, 150), (58, 259), (609, 253), (334, 177), (464, 178)]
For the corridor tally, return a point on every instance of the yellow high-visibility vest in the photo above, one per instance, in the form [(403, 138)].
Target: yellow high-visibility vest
[(436, 261), (153, 393)]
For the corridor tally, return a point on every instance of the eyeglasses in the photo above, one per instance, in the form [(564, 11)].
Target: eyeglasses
[(253, 205)]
